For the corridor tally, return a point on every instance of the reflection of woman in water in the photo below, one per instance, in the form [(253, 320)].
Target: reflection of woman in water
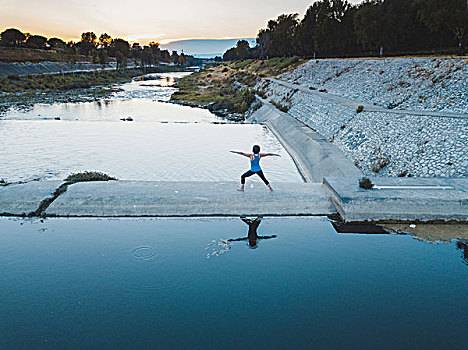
[(252, 235), (255, 165)]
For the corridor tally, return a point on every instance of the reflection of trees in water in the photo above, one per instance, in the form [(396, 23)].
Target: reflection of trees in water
[(463, 246), (252, 236)]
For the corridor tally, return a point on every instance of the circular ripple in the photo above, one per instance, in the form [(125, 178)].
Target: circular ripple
[(144, 253)]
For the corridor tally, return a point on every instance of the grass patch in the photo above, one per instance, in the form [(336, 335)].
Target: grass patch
[(88, 176), (223, 86), (70, 180)]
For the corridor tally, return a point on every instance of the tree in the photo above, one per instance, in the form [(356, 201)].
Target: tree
[(71, 54), (175, 57), (105, 40), (281, 31), (305, 32), (330, 32), (103, 57), (121, 60), (120, 45), (450, 14), (36, 42), (230, 55), (136, 51), (94, 56), (56, 43), (87, 43), (367, 24), (165, 56), (263, 43), (12, 37), (243, 49), (88, 37), (146, 57), (182, 59), (156, 51)]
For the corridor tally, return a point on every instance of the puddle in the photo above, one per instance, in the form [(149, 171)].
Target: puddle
[(146, 283)]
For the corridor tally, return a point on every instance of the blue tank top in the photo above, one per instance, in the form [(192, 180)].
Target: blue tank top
[(255, 162)]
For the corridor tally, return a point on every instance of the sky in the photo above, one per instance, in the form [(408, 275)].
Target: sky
[(146, 20)]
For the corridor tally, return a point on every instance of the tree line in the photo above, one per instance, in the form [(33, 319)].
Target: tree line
[(98, 50), (336, 28)]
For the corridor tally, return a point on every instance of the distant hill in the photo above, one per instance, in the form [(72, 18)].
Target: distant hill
[(204, 48)]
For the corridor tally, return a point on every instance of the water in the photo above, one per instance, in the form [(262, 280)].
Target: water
[(147, 283), (165, 142)]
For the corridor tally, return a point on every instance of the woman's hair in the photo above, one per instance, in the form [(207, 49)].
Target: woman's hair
[(256, 149)]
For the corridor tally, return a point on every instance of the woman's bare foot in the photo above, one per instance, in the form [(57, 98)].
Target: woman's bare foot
[(269, 186), (241, 189)]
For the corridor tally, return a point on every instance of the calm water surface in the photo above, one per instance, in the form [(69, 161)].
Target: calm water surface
[(164, 142), (147, 283)]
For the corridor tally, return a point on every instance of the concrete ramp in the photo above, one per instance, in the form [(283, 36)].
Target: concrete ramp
[(159, 198), (315, 157)]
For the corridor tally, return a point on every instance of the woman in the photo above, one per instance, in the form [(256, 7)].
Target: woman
[(255, 165)]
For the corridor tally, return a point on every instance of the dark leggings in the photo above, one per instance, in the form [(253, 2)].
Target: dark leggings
[(250, 173)]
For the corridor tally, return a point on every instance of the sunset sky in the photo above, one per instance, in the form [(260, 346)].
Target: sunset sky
[(146, 20)]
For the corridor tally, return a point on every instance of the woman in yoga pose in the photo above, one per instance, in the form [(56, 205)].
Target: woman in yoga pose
[(255, 168)]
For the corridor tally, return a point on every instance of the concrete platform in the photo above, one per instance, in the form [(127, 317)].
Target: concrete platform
[(143, 198), (422, 199), (25, 198)]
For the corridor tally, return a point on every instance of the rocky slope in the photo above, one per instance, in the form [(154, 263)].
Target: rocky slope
[(381, 143)]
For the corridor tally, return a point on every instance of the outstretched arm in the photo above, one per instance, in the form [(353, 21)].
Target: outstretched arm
[(267, 237), (238, 239), (269, 154), (241, 153)]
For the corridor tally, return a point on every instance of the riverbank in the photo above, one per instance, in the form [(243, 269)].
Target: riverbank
[(226, 89), (71, 87)]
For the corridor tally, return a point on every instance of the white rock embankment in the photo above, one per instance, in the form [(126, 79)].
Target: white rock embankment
[(439, 84), (386, 144)]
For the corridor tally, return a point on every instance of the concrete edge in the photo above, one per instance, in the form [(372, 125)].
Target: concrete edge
[(301, 167), (335, 198)]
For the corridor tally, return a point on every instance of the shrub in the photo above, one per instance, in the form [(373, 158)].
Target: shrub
[(88, 176), (280, 106), (365, 183), (360, 109), (225, 70)]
